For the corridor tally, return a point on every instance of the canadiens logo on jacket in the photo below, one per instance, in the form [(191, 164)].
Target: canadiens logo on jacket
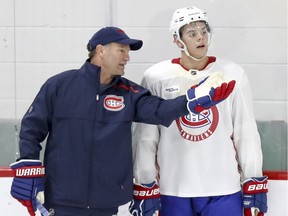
[(114, 103)]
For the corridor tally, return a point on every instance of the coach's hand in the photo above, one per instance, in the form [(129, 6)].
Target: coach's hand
[(146, 200), (208, 93), (255, 196), (28, 183)]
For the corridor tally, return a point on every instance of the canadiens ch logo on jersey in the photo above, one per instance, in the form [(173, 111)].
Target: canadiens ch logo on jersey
[(114, 103), (198, 127)]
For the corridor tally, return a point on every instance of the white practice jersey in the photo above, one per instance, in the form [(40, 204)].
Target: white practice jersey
[(199, 155)]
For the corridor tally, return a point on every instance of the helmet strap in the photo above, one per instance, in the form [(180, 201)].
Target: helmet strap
[(187, 52)]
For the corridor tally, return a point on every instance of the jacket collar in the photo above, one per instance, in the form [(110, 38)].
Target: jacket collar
[(92, 72)]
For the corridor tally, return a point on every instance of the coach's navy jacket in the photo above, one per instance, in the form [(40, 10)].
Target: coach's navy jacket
[(88, 156)]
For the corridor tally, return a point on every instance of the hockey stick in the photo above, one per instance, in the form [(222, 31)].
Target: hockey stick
[(42, 209), (256, 211)]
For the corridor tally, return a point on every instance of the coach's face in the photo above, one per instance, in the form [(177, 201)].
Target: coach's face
[(116, 56)]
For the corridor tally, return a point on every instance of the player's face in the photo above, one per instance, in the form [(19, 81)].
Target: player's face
[(116, 57), (196, 37)]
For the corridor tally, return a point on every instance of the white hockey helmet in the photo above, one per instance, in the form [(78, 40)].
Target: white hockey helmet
[(185, 16)]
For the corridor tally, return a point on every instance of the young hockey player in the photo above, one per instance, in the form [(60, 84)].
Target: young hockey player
[(203, 161)]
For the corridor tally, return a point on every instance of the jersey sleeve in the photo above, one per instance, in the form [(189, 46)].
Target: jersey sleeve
[(145, 143), (246, 137)]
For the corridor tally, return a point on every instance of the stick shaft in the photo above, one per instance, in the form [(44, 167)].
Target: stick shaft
[(42, 209)]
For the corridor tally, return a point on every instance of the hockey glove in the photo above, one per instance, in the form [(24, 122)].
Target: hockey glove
[(255, 196), (146, 200), (28, 183), (208, 93)]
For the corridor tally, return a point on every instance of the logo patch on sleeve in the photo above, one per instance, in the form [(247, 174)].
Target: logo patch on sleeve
[(114, 103)]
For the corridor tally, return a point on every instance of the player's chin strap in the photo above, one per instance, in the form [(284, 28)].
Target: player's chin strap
[(187, 52)]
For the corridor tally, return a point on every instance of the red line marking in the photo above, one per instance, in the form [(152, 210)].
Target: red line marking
[(5, 171), (276, 174)]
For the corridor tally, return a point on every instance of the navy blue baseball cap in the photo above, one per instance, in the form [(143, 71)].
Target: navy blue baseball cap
[(112, 34)]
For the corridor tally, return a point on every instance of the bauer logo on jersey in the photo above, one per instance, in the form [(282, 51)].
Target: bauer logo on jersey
[(198, 127), (114, 103)]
